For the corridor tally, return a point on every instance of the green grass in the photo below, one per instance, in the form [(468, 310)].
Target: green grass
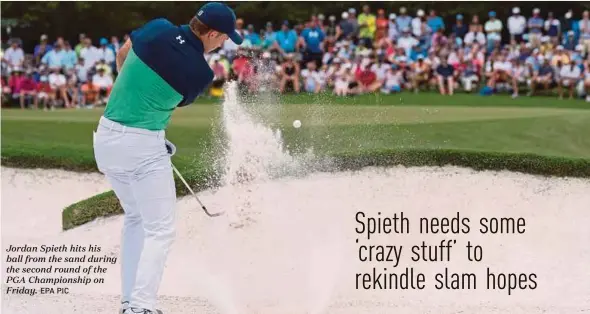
[(539, 135)]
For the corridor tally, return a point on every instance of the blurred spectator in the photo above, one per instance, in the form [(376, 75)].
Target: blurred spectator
[(435, 22), (115, 45), (493, 28), (81, 44), (312, 79), (544, 77), (104, 83), (367, 26), (569, 41), (460, 29), (14, 56), (553, 28), (253, 37), (269, 36), (403, 21), (28, 90), (352, 18), (89, 53), (584, 26), (15, 83), (55, 57), (289, 74), (535, 25), (445, 77), (70, 59), (368, 80), (286, 39), (569, 75), (420, 74), (106, 54), (41, 49), (44, 92), (393, 80), (516, 25), (57, 83), (313, 38), (381, 25), (393, 32)]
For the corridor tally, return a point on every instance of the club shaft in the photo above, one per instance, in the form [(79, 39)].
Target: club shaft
[(187, 185)]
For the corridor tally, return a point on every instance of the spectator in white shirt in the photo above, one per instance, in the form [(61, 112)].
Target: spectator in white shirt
[(569, 75), (406, 42), (312, 79), (58, 85), (417, 28), (104, 83), (474, 36), (14, 56), (516, 25), (106, 53), (493, 29), (89, 53)]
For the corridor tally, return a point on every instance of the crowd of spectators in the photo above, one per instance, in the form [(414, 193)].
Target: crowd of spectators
[(58, 74), (350, 55)]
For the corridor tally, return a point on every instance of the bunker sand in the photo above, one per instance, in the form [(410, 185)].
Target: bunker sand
[(289, 245)]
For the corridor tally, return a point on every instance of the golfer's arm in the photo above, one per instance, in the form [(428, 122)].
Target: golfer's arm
[(122, 54)]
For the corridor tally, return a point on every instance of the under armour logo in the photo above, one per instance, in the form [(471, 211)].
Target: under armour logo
[(200, 12), (180, 40)]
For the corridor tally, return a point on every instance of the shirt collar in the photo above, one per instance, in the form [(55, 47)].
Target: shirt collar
[(192, 38)]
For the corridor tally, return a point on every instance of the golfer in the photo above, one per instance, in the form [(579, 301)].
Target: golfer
[(161, 67)]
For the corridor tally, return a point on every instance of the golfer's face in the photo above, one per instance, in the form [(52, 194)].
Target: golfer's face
[(218, 39)]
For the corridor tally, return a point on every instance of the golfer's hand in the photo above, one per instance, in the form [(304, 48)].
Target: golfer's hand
[(170, 148)]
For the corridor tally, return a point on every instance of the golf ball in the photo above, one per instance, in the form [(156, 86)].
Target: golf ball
[(296, 124)]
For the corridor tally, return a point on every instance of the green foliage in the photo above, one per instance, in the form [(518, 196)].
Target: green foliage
[(97, 19)]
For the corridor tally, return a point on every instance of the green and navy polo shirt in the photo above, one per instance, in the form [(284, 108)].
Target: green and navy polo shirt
[(164, 69)]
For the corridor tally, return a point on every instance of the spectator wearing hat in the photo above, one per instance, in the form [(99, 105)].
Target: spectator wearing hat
[(584, 25), (106, 54), (535, 25), (286, 39), (345, 28), (367, 26), (355, 24), (393, 32), (418, 24), (493, 29), (330, 29), (516, 25), (560, 56), (41, 49), (14, 56), (569, 41), (553, 28), (460, 29), (569, 76), (403, 20), (253, 37)]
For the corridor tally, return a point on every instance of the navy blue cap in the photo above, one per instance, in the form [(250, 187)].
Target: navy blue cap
[(221, 18)]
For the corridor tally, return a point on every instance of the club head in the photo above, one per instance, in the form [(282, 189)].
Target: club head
[(212, 215)]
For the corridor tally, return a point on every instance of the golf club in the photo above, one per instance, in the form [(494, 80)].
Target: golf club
[(195, 195)]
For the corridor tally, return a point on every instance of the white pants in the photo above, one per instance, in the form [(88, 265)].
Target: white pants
[(138, 166)]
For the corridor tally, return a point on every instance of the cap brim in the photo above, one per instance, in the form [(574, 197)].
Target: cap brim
[(236, 38)]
